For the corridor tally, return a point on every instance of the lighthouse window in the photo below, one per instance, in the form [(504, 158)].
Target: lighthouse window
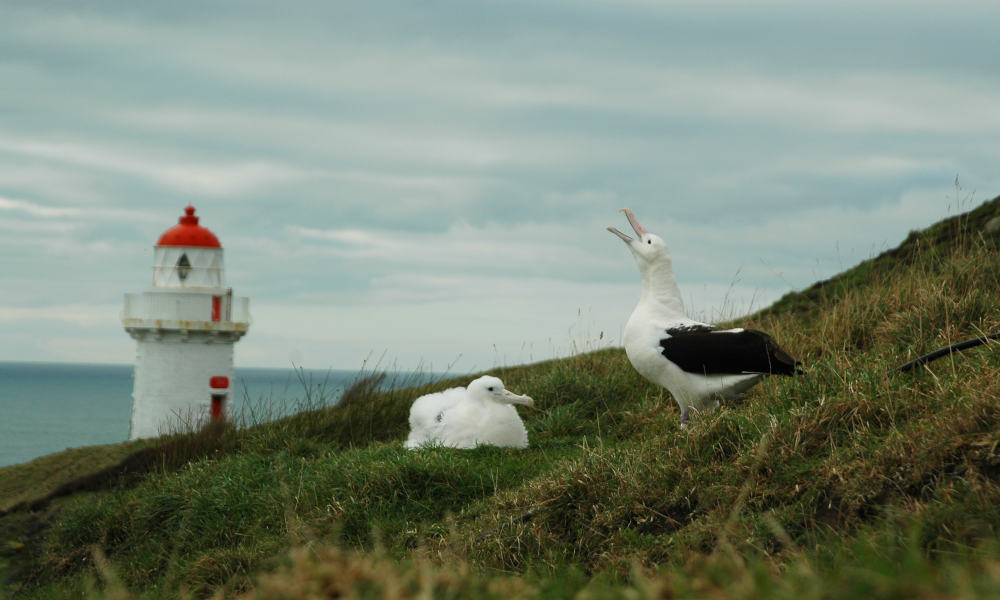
[(183, 267)]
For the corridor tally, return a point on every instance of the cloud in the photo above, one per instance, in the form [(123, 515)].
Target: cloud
[(36, 210), (56, 184), (530, 249), (435, 179), (482, 320), (77, 314), (78, 232), (218, 178), (564, 71)]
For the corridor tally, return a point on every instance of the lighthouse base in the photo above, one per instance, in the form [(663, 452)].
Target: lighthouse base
[(171, 390)]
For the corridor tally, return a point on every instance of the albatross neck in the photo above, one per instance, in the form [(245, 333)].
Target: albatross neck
[(660, 290)]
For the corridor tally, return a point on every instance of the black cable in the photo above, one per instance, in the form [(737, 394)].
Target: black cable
[(979, 341)]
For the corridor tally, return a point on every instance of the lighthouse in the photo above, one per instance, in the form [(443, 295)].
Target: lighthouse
[(185, 327)]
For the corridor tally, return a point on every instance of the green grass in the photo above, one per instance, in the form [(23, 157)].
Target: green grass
[(847, 482), (42, 476)]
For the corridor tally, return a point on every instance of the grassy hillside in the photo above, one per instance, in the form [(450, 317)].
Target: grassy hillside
[(847, 482), (30, 481)]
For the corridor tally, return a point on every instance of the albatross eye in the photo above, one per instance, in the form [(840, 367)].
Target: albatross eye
[(489, 389), (649, 241)]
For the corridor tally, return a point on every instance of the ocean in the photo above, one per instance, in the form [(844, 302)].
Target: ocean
[(49, 407)]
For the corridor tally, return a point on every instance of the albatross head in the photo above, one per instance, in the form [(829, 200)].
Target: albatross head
[(491, 388), (646, 247), (659, 288)]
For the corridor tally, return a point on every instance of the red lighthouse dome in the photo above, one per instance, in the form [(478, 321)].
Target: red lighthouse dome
[(189, 233)]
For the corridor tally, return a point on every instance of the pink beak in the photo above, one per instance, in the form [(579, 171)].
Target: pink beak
[(639, 229)]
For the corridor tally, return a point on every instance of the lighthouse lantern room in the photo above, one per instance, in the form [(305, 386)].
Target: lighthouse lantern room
[(184, 327)]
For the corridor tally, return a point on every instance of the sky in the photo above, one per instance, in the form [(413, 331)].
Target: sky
[(426, 184)]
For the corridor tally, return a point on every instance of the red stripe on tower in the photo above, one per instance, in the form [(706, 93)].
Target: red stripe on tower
[(216, 411)]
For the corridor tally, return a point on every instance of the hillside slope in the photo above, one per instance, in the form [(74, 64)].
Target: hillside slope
[(847, 482), (943, 236)]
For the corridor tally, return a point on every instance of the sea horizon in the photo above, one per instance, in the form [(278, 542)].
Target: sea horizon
[(49, 407)]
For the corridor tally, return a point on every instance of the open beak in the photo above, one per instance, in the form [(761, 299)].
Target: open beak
[(639, 229), (512, 398)]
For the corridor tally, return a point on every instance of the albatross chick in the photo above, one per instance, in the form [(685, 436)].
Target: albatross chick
[(480, 414)]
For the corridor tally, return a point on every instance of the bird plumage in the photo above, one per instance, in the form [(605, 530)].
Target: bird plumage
[(699, 364), (480, 414), (714, 351)]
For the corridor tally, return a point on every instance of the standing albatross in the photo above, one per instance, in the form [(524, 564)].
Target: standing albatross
[(480, 414), (699, 364)]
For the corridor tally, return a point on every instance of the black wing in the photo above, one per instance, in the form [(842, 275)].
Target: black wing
[(712, 351)]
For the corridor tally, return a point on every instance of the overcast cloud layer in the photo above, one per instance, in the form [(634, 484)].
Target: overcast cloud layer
[(429, 182)]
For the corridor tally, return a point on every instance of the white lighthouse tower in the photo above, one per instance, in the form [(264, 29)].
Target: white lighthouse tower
[(184, 327)]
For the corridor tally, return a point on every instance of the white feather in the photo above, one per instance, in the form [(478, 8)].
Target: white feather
[(480, 414)]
